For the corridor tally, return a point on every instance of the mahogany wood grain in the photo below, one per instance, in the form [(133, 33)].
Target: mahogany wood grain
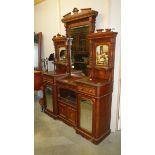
[(37, 80)]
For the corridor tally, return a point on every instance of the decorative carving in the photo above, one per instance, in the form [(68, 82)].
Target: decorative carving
[(60, 53), (99, 30), (78, 25), (75, 10), (87, 12)]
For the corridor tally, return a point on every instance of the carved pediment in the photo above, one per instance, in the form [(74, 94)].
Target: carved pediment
[(84, 13)]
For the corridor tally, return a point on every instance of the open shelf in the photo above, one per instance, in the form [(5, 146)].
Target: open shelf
[(67, 95)]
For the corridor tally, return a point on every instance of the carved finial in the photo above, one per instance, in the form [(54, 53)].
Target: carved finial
[(99, 30), (58, 35), (75, 10), (108, 29)]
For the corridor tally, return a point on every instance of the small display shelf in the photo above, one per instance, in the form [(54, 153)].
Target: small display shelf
[(67, 95)]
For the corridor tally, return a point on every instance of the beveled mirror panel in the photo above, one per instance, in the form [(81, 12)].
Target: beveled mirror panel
[(86, 114), (49, 98), (102, 56), (79, 52), (62, 54)]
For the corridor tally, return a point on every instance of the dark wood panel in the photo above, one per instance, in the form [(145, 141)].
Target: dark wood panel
[(62, 110), (37, 80), (72, 115)]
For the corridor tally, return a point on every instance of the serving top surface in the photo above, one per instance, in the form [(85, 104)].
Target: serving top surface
[(93, 82)]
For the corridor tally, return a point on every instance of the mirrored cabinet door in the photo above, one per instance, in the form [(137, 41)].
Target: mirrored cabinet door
[(86, 114), (49, 98)]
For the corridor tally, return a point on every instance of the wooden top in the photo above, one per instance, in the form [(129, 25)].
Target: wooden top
[(60, 63), (54, 73), (75, 80), (75, 73), (100, 67), (70, 80), (86, 12)]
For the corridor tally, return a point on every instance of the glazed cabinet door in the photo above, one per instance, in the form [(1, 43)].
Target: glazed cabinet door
[(86, 114), (49, 97)]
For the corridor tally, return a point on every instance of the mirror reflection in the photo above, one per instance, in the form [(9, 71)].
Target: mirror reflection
[(86, 112), (102, 54), (62, 54), (49, 98)]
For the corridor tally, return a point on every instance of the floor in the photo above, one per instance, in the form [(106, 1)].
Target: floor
[(53, 137)]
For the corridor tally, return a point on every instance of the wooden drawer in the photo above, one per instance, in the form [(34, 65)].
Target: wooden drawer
[(66, 86), (87, 90)]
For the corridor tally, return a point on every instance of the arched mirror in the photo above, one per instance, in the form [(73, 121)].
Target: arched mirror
[(37, 50)]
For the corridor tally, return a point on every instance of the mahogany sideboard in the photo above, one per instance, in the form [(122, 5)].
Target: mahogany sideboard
[(82, 101)]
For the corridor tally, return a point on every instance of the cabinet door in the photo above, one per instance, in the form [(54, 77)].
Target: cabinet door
[(49, 97), (71, 114), (62, 110), (86, 114)]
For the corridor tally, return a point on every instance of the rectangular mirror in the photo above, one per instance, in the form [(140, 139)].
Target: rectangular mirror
[(79, 53)]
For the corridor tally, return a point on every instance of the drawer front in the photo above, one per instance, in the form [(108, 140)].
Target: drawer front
[(87, 90), (62, 110), (67, 86), (71, 115)]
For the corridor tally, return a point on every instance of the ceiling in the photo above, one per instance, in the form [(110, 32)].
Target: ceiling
[(37, 1)]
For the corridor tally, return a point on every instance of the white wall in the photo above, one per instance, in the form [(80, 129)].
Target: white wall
[(45, 21), (48, 16), (115, 21)]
